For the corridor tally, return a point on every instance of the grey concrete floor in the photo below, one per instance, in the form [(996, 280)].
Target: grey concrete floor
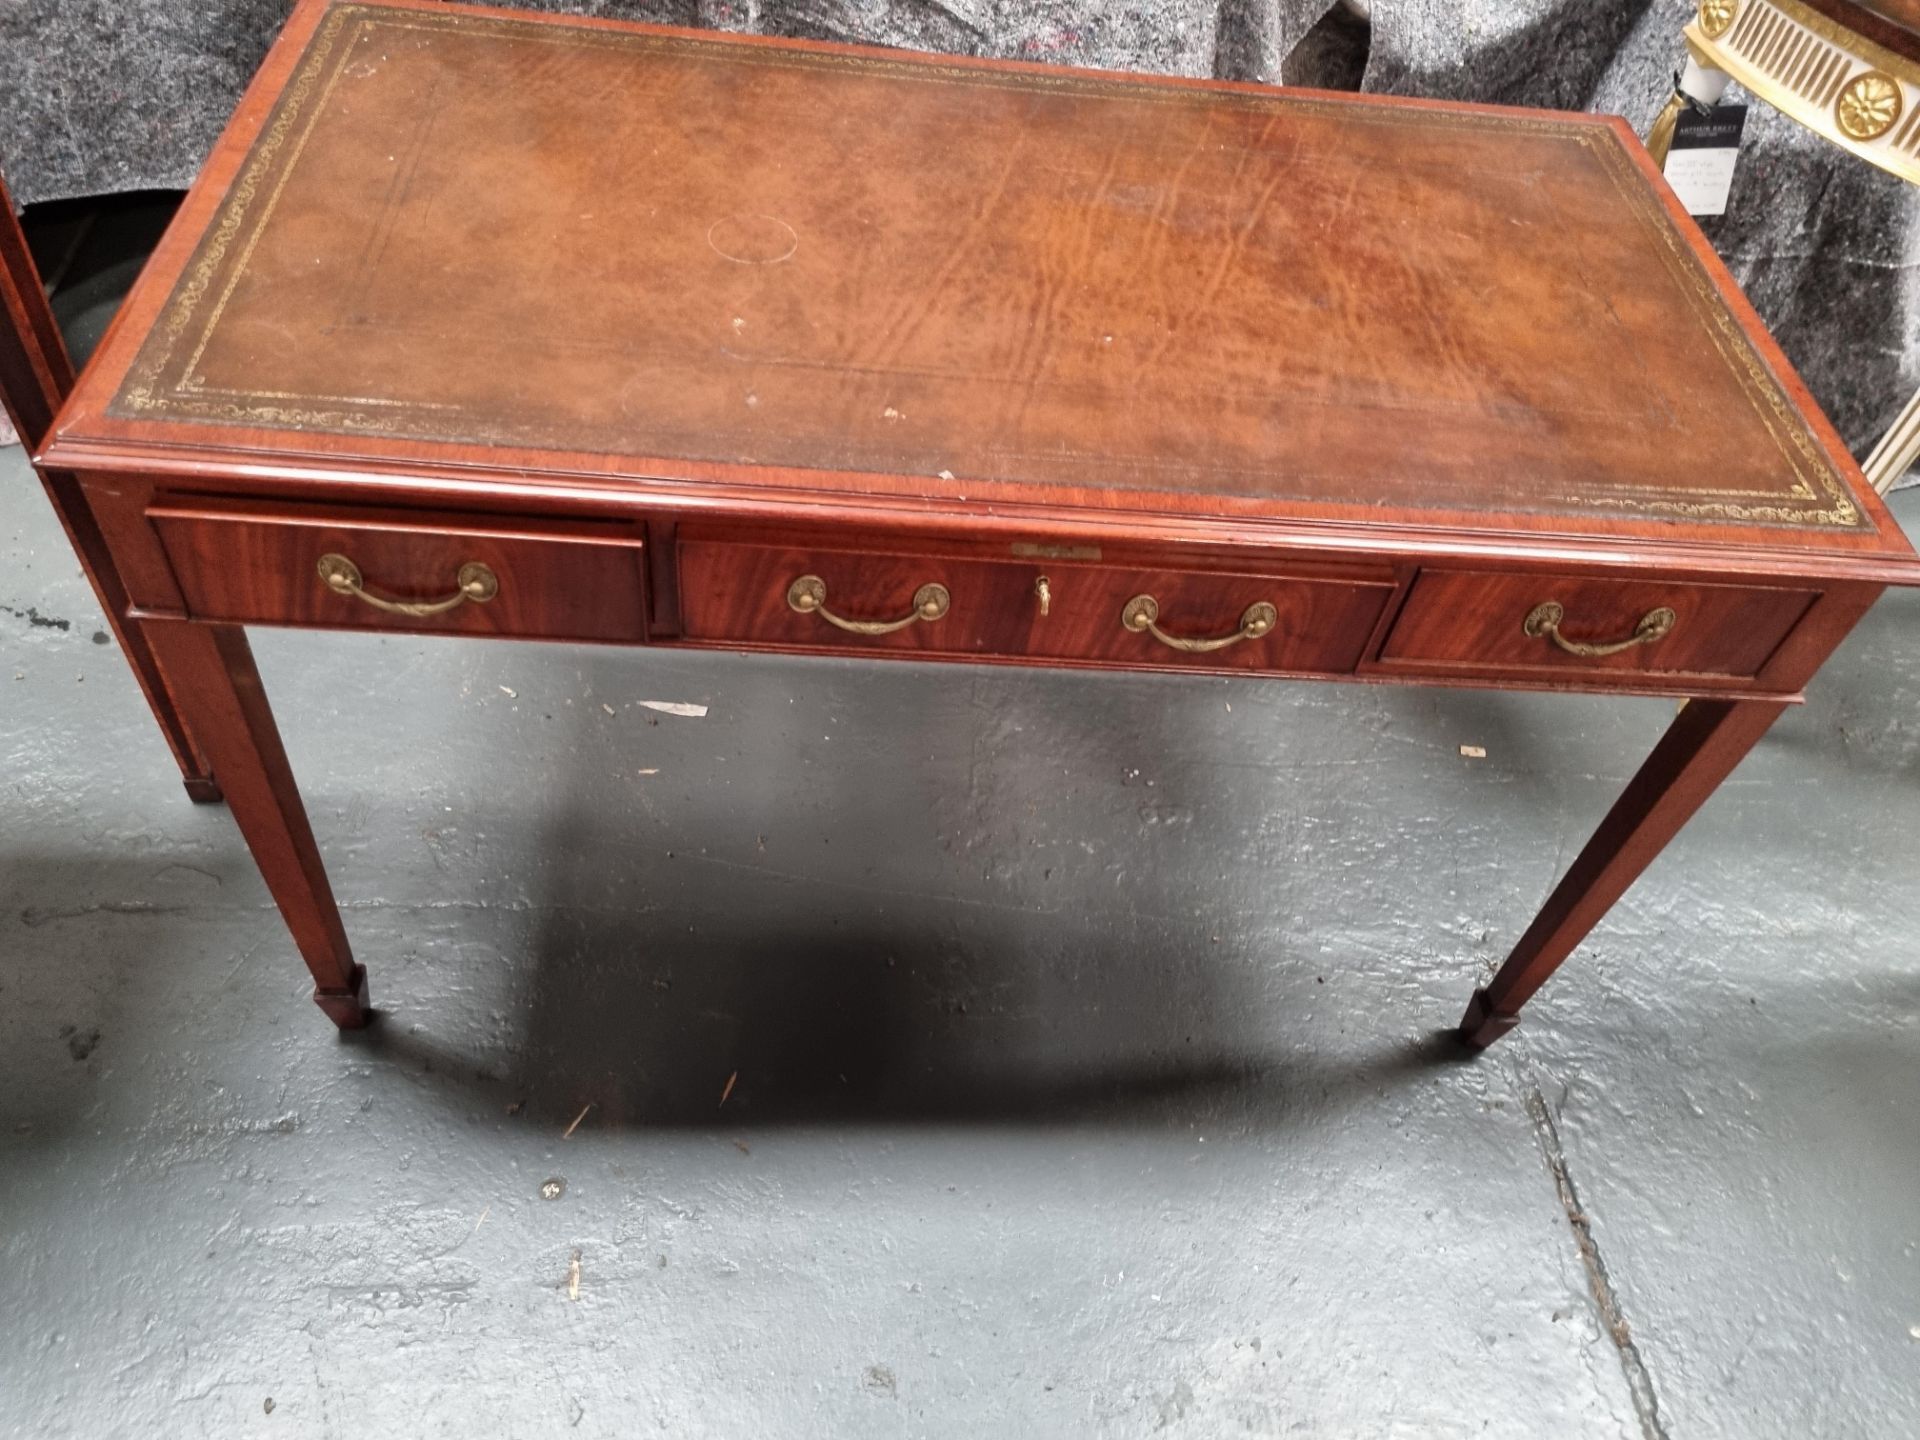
[(1082, 1035)]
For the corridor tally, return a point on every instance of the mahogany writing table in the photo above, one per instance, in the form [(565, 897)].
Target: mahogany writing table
[(484, 324)]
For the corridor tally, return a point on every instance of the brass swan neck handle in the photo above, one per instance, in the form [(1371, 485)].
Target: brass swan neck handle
[(1544, 621), (1142, 614), (808, 596), (476, 582)]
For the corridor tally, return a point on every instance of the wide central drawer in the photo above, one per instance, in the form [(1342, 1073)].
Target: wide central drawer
[(974, 604), (387, 571)]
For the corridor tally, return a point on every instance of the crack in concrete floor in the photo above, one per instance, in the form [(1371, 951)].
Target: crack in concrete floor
[(1606, 1302)]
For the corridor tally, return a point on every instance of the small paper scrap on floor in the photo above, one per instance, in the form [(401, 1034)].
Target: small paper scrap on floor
[(573, 1277), (1474, 752), (675, 707), (510, 694)]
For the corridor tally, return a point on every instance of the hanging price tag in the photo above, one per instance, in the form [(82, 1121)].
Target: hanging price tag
[(1700, 162)]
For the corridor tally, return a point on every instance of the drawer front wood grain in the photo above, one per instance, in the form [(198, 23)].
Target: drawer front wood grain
[(563, 583), (999, 608), (1475, 621), (1318, 625), (739, 592)]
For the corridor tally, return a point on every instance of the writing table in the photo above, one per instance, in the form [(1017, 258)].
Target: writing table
[(484, 324)]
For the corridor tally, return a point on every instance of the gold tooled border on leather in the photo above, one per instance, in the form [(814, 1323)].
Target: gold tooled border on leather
[(1822, 496)]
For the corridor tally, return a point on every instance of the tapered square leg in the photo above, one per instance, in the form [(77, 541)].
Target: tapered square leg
[(210, 668), (202, 789), (350, 1010), (36, 375), (76, 518), (1482, 1024), (1702, 745)]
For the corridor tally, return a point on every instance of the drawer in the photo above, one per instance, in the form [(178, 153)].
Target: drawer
[(1294, 623), (391, 573), (1490, 622), (861, 599), (857, 599)]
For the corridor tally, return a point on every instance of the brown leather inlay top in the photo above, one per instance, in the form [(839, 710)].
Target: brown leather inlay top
[(487, 229)]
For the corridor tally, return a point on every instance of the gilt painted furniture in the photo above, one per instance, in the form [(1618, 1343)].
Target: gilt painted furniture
[(562, 329)]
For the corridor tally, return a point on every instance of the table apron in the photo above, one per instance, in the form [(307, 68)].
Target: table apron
[(1396, 618)]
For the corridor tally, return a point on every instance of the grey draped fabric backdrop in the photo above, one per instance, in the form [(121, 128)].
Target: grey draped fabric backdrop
[(105, 95)]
